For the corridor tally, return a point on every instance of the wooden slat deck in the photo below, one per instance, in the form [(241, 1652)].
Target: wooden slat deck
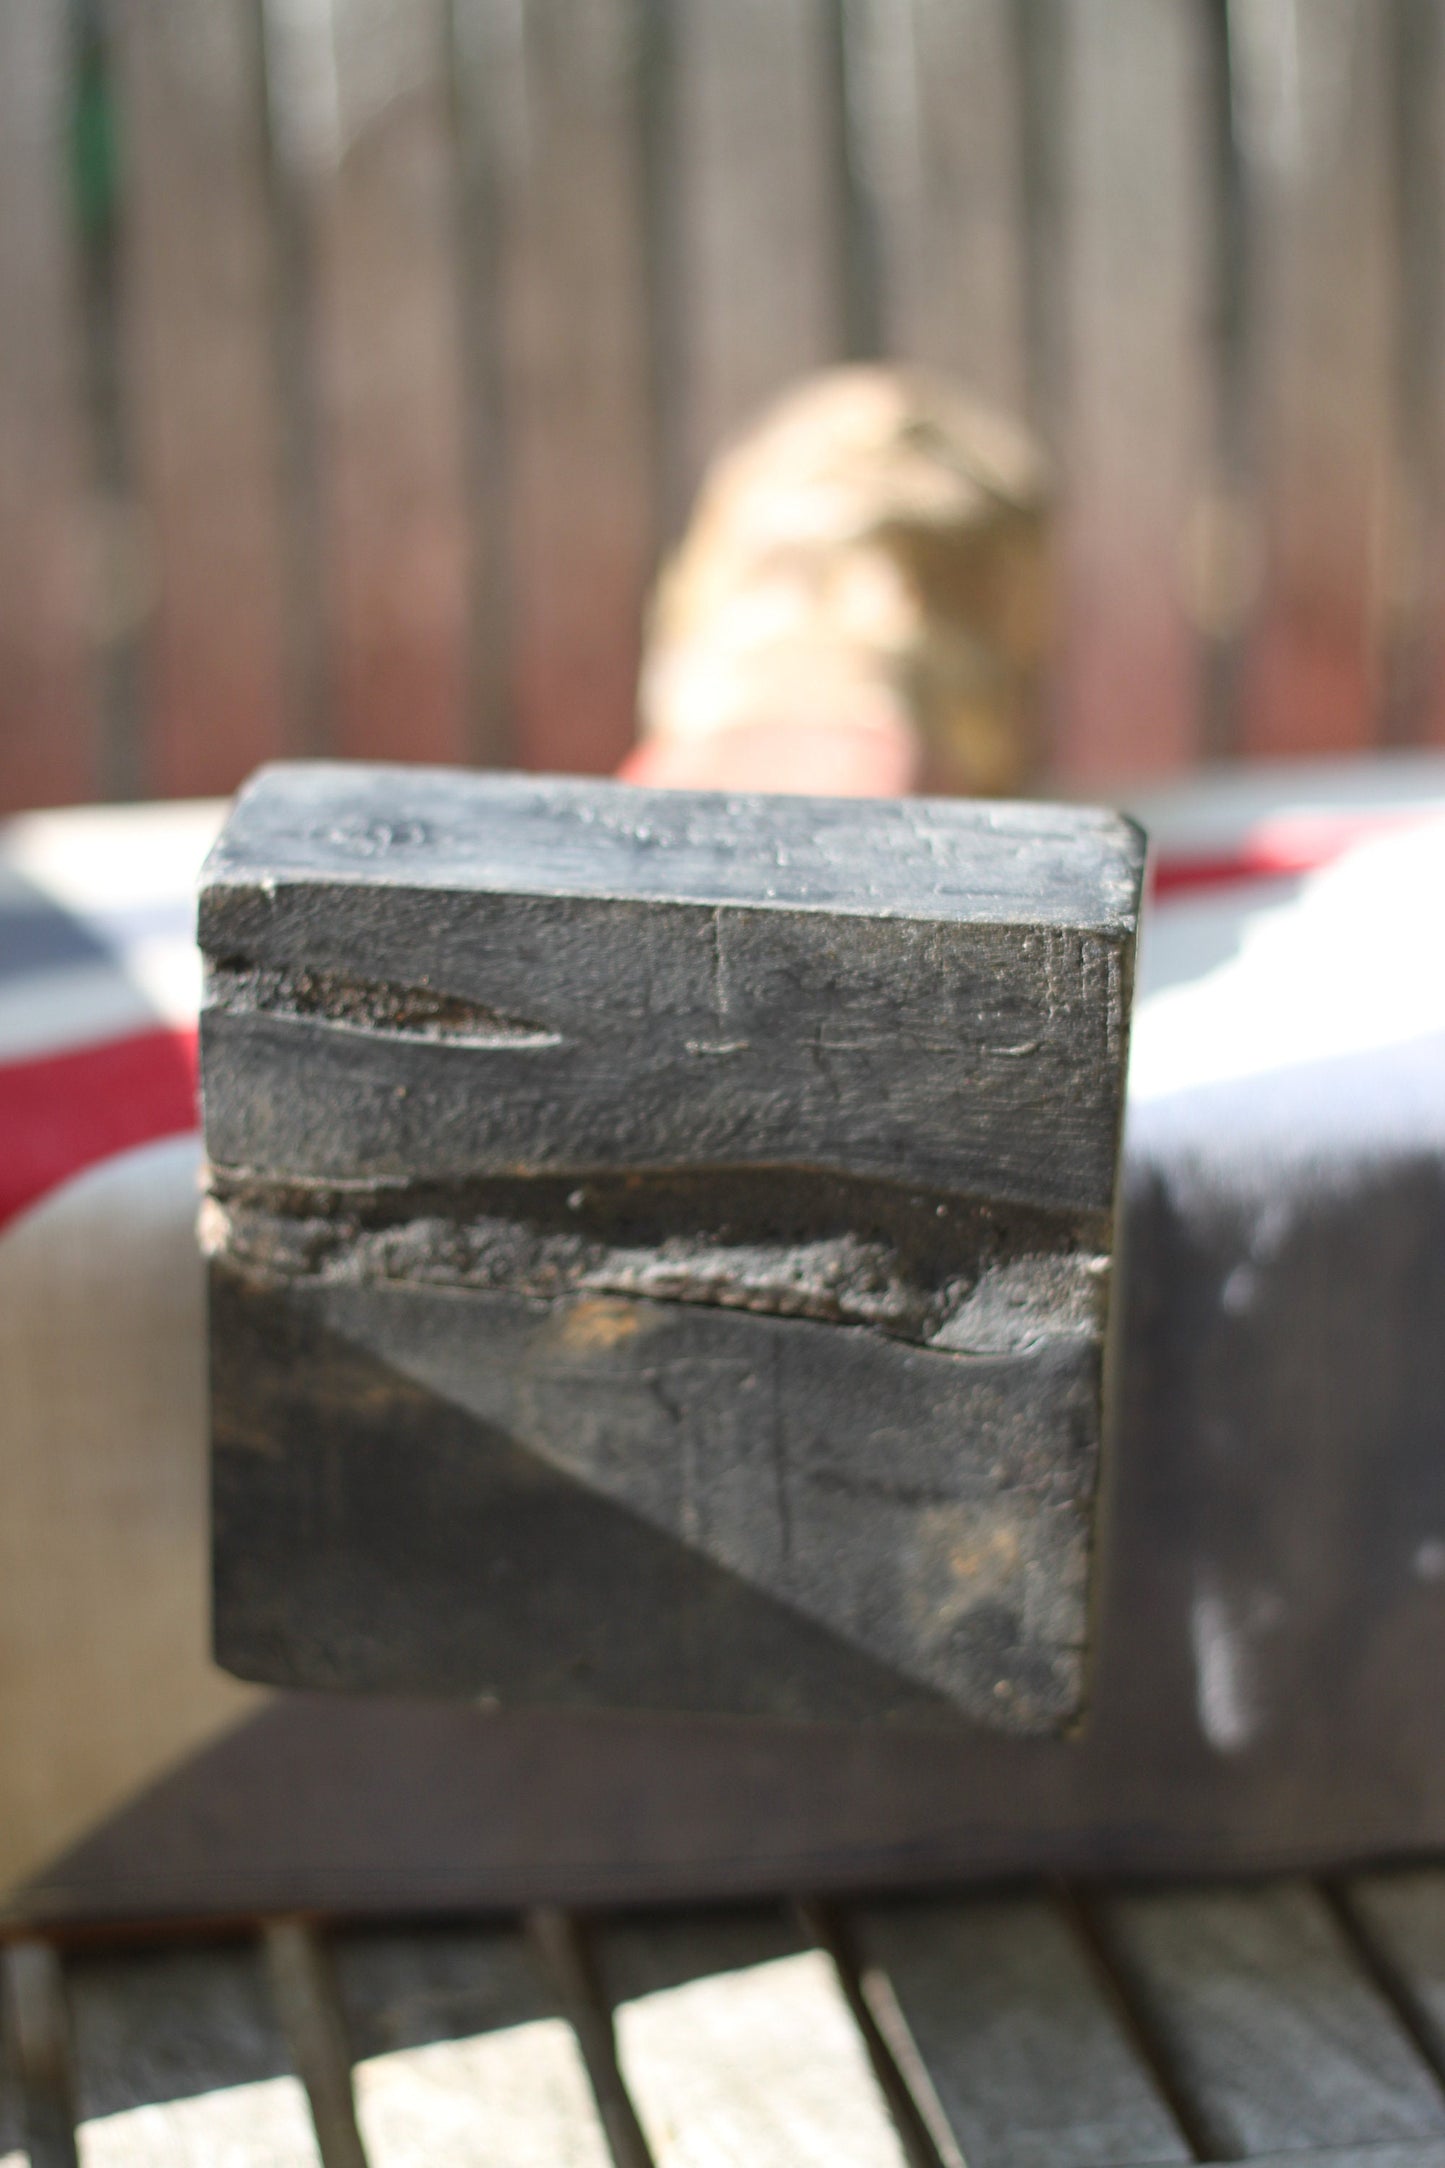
[(1045, 2028)]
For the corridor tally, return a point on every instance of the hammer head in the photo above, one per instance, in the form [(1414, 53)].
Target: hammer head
[(660, 1242)]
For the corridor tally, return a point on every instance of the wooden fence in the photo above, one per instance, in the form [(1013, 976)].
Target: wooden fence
[(357, 357)]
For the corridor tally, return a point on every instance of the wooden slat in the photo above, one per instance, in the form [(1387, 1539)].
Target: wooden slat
[(644, 1956), (1273, 2036), (758, 240), (1020, 2044), (560, 94), (1310, 91), (201, 377), (1130, 427), (47, 711), (936, 92), (361, 106), (461, 2054), (1400, 1922), (179, 2059), (738, 2047), (1365, 2156), (38, 2055)]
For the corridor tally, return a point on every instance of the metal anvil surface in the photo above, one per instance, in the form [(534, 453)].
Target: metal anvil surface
[(660, 1242)]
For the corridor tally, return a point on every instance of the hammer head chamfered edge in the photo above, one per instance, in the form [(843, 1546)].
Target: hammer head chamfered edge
[(660, 1242)]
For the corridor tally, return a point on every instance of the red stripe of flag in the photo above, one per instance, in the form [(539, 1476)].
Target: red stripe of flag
[(1281, 847), (64, 1112)]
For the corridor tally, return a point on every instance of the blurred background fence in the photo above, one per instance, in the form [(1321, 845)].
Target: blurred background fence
[(359, 357)]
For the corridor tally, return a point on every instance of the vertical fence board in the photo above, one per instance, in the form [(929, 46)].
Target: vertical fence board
[(196, 322), (361, 99), (389, 366), (1131, 417), (574, 367), (1310, 92), (1039, 41), (759, 242), (940, 149), (478, 69), (516, 366), (47, 716), (120, 570), (1415, 564)]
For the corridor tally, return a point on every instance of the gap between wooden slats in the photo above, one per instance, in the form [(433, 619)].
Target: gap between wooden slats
[(1018, 2042), (360, 96), (562, 100), (737, 2045), (200, 378), (1130, 422), (49, 723), (567, 1952), (1272, 2036), (304, 1990), (923, 2128), (1309, 92)]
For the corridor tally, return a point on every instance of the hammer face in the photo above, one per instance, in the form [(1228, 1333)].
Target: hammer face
[(660, 1242)]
